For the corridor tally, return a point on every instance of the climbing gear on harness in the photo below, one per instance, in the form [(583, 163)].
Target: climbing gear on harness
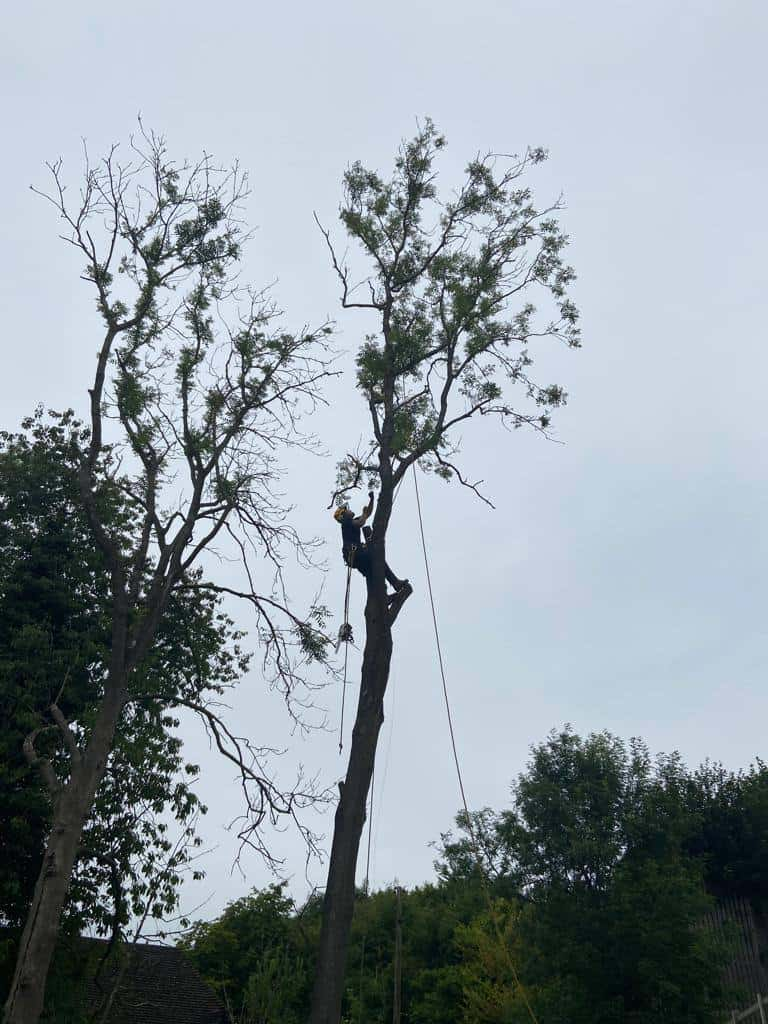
[(345, 635), (349, 558)]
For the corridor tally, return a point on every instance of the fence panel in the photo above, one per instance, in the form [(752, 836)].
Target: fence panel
[(755, 1014)]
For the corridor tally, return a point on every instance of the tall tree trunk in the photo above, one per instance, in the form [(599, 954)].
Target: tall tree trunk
[(72, 806), (339, 900)]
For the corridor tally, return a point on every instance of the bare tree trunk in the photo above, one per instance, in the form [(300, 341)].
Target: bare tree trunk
[(339, 900), (338, 904), (72, 806)]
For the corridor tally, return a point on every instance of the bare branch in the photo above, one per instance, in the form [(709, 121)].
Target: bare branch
[(472, 487), (42, 764), (343, 276)]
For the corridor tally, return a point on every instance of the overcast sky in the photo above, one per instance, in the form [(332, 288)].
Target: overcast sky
[(620, 583)]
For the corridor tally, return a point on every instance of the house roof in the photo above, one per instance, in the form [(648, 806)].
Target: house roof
[(158, 986)]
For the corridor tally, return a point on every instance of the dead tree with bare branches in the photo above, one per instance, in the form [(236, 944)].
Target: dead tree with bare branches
[(450, 286), (196, 392)]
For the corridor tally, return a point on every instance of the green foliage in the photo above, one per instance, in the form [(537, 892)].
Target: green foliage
[(256, 955), (452, 282), (201, 388), (732, 833), (490, 990), (197, 395), (54, 647), (593, 891), (609, 898), (431, 977), (45, 637)]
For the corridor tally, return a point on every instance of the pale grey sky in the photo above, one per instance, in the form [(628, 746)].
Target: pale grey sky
[(620, 583)]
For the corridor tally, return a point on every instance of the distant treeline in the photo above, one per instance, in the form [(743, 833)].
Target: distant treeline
[(600, 874)]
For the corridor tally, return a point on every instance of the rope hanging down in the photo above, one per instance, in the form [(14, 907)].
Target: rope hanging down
[(470, 828), (345, 637)]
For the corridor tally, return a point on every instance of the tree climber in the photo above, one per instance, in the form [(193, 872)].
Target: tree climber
[(353, 550)]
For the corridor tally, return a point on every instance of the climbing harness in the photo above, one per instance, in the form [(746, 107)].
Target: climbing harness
[(349, 556)]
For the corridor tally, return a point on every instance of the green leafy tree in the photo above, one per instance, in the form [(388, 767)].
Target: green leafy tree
[(195, 391), (593, 891), (54, 645), (257, 955), (731, 837), (609, 900), (260, 955), (451, 284), (490, 992)]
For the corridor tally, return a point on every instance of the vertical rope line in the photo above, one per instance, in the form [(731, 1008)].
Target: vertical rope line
[(439, 647), (346, 655), (475, 845)]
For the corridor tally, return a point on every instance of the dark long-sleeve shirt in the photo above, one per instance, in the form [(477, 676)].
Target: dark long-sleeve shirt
[(350, 531)]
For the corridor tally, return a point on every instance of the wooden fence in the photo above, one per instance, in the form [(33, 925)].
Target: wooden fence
[(755, 1014), (735, 919)]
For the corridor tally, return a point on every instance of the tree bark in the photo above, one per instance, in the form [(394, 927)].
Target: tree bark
[(339, 900), (26, 998)]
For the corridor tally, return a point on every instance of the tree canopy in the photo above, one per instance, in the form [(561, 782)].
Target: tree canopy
[(194, 390), (465, 288), (594, 889), (54, 648)]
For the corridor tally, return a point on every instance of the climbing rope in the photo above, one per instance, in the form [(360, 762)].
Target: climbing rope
[(345, 636), (345, 632), (470, 828)]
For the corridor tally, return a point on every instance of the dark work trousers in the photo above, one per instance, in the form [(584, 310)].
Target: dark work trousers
[(360, 558)]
